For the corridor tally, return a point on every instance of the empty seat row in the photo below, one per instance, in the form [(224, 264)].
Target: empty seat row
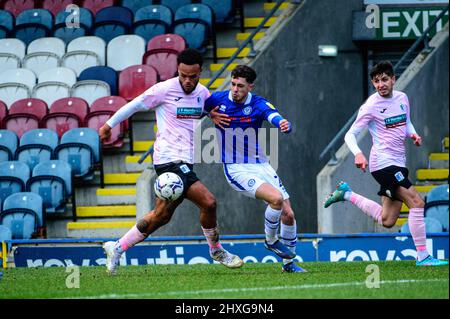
[(194, 22), (65, 114)]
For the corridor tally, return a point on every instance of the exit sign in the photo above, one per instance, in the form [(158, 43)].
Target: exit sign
[(408, 23)]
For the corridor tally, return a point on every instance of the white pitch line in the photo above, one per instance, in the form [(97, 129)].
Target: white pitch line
[(234, 290)]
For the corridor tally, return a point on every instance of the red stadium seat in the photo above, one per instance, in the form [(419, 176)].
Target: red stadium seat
[(17, 6), (162, 54), (25, 115), (97, 5), (135, 79), (101, 111), (55, 6), (3, 113), (167, 41), (66, 114)]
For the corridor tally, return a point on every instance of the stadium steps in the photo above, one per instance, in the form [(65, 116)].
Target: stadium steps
[(428, 178)]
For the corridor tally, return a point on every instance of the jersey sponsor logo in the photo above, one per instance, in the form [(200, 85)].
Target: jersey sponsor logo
[(399, 176), (247, 110), (395, 121), (251, 182), (270, 105), (189, 112)]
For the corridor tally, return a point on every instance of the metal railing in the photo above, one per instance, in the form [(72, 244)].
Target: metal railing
[(331, 147), (244, 44)]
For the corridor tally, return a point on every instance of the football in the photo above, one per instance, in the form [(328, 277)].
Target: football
[(168, 186)]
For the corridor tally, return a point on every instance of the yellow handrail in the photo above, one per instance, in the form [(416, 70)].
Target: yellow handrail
[(3, 254)]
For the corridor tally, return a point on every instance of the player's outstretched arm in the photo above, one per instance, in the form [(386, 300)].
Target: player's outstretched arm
[(285, 126)]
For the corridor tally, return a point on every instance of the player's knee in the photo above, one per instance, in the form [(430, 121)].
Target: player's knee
[(277, 201), (388, 222), (211, 205), (417, 202)]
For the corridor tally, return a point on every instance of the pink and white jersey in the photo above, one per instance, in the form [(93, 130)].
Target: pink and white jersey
[(389, 124), (177, 116)]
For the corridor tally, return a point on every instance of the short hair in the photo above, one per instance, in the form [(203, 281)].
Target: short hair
[(382, 67), (190, 57), (244, 71)]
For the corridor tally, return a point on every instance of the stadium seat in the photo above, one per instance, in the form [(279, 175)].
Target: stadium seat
[(23, 214), (8, 145), (167, 41), (5, 233), (55, 6), (18, 6), (49, 44), (174, 5), (101, 73), (25, 115), (6, 23), (16, 84), (437, 204), (89, 43), (124, 51), (96, 5), (52, 180), (195, 23), (36, 146), (40, 62), (54, 84), (3, 113), (66, 114), (13, 178), (151, 21), (134, 80), (112, 22), (9, 61), (135, 5), (223, 10), (90, 90), (33, 24), (81, 148), (80, 19), (13, 46), (100, 112), (432, 225)]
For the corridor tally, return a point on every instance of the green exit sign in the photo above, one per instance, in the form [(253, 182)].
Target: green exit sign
[(408, 23)]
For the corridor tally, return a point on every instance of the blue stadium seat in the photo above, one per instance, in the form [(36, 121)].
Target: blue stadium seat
[(174, 5), (223, 10), (5, 233), (81, 148), (33, 24), (152, 20), (111, 22), (36, 146), (432, 225), (135, 5), (82, 16), (195, 23), (23, 214), (101, 73), (6, 23), (8, 145), (13, 178), (52, 180), (437, 204)]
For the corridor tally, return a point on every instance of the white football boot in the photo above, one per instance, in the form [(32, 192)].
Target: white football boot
[(112, 257), (226, 259)]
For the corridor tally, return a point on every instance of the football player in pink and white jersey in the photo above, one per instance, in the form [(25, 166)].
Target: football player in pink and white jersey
[(386, 114), (178, 104)]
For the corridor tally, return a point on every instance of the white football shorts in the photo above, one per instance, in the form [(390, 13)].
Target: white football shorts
[(246, 178)]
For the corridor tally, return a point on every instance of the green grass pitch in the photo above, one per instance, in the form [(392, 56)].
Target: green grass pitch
[(324, 280)]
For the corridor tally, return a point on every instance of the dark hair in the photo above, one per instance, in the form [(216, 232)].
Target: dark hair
[(382, 67), (243, 71), (190, 57)]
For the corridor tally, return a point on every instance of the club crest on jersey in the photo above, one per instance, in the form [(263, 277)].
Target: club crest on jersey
[(247, 110), (402, 106), (251, 182), (199, 99), (223, 108)]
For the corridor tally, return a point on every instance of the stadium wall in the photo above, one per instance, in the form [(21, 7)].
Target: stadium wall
[(316, 94), (425, 81)]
